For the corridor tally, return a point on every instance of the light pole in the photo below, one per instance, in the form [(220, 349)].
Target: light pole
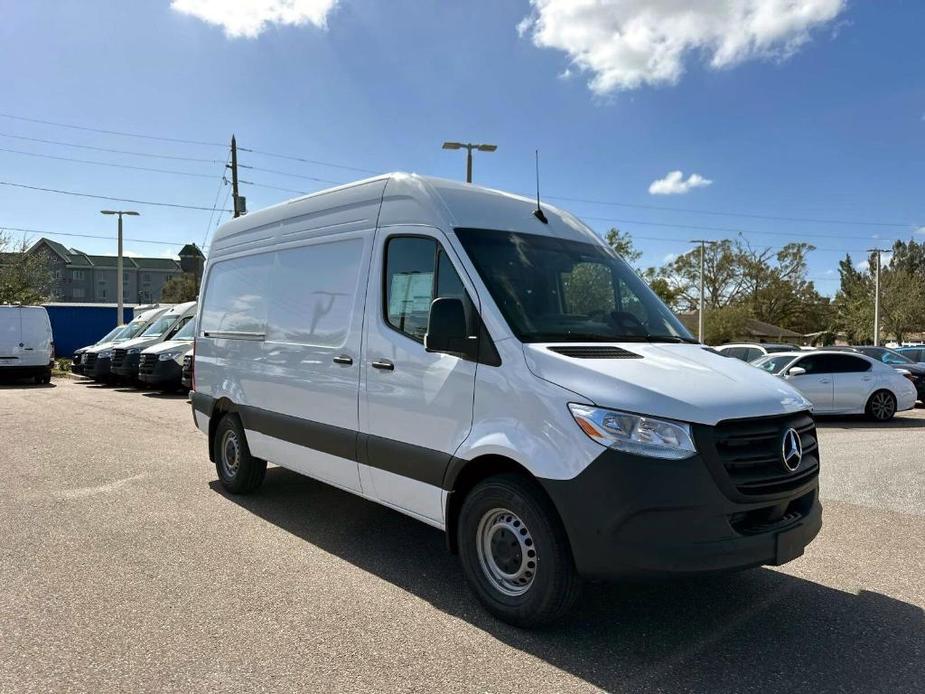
[(119, 261), (703, 243), (877, 252), (468, 146)]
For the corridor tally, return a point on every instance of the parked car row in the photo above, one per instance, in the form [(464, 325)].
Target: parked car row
[(876, 381), (151, 350)]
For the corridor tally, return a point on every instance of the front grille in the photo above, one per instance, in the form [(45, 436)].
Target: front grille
[(118, 357), (147, 364), (595, 352), (90, 360), (750, 453)]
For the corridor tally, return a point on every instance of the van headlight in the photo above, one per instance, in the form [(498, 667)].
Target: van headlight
[(167, 356), (631, 433), (134, 350), (105, 354)]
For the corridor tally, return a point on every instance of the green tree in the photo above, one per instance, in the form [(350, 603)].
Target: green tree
[(622, 243), (179, 289), (25, 278), (854, 306)]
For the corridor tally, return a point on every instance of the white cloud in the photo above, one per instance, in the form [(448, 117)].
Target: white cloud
[(626, 44), (920, 230), (862, 266), (250, 18), (669, 258), (675, 184)]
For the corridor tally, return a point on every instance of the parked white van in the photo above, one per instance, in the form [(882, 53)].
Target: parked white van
[(97, 360), (161, 365), (502, 375), (126, 356), (27, 346)]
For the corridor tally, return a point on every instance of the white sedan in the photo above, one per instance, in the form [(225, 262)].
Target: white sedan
[(843, 382)]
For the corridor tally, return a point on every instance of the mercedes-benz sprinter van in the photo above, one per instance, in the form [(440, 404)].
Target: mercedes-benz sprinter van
[(127, 355), (97, 360), (77, 364), (27, 346), (497, 372), (161, 365)]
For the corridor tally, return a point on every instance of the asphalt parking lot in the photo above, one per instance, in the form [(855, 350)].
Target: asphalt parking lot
[(123, 567)]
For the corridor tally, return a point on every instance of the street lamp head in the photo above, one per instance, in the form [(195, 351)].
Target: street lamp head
[(452, 145), (487, 148), (130, 212), (109, 212)]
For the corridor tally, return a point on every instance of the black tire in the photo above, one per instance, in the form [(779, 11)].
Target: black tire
[(881, 406), (552, 587), (238, 471)]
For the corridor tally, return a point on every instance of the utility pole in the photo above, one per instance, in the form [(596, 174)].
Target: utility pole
[(703, 243), (468, 146), (119, 297), (876, 252), (240, 203)]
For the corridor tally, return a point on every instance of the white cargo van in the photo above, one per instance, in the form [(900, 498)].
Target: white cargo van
[(127, 355), (502, 375), (97, 360), (27, 347), (161, 365)]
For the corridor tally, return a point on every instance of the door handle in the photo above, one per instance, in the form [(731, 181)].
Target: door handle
[(343, 359), (824, 380), (866, 378), (383, 364)]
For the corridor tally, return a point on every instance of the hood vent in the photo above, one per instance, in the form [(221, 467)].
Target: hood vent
[(594, 352)]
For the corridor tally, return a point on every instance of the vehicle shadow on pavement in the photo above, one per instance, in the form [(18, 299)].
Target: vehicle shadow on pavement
[(22, 385), (753, 630)]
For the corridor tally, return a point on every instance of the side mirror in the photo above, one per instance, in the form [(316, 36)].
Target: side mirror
[(796, 371), (447, 330)]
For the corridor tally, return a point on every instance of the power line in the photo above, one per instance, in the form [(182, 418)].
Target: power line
[(287, 173), (45, 232), (723, 213), (221, 181), (111, 150), (112, 132), (309, 161), (106, 197), (219, 220), (264, 185), (106, 163)]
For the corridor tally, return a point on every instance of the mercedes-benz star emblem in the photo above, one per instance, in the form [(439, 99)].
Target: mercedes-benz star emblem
[(791, 450)]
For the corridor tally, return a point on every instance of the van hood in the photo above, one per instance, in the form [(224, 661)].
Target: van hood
[(102, 347), (685, 382), (171, 346), (139, 343)]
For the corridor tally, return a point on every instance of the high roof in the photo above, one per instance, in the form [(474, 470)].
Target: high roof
[(405, 199)]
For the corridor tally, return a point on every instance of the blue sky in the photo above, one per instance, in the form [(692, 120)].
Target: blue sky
[(818, 114)]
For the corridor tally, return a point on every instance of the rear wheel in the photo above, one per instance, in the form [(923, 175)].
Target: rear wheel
[(881, 406), (238, 471), (515, 553)]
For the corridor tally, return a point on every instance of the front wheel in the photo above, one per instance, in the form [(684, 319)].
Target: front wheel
[(515, 553), (238, 471), (881, 406)]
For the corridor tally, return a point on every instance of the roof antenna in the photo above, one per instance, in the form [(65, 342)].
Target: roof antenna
[(538, 212)]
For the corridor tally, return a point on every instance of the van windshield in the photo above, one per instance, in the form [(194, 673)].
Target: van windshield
[(159, 327), (557, 290), (186, 332), (130, 330)]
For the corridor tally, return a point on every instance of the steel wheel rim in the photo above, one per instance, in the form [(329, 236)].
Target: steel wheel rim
[(230, 453), (882, 406), (506, 552)]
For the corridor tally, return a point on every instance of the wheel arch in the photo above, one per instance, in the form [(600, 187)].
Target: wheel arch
[(463, 475), (221, 407)]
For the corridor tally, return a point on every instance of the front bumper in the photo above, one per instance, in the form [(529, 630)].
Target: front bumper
[(127, 366), (161, 375), (628, 515), (98, 369), (19, 371)]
